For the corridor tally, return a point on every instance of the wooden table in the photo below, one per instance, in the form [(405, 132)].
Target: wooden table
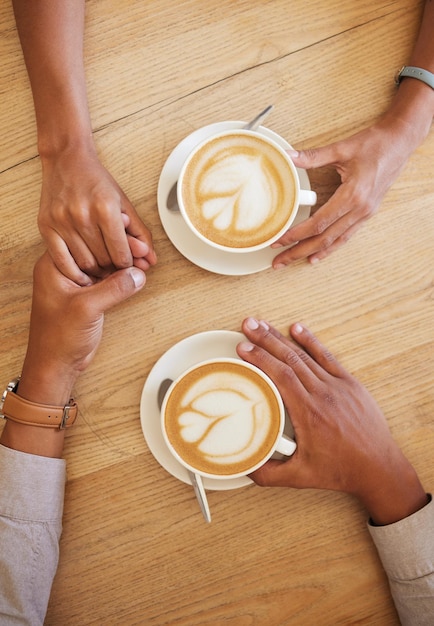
[(135, 549)]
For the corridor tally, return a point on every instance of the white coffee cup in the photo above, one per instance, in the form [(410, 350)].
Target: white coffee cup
[(224, 418), (239, 191)]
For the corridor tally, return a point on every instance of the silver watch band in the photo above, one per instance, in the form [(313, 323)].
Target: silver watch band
[(415, 72)]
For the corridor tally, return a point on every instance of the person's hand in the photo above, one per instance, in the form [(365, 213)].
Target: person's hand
[(343, 440), (86, 220), (65, 330), (66, 326), (367, 163)]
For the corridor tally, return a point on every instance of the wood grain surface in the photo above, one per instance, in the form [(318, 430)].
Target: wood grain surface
[(135, 549)]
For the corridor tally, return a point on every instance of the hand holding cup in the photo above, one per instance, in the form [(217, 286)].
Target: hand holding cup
[(238, 191), (343, 440)]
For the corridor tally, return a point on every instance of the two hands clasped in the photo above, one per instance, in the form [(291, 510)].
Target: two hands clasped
[(88, 223), (343, 441)]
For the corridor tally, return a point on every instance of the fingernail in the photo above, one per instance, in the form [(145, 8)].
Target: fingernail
[(278, 266), (297, 329), (314, 260), (245, 346), (264, 325), (138, 277), (293, 153), (252, 324), (276, 245)]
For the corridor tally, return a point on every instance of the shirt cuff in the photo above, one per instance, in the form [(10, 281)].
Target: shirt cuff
[(405, 547), (32, 487)]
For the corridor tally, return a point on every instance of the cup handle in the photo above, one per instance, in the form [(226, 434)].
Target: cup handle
[(307, 197), (286, 446)]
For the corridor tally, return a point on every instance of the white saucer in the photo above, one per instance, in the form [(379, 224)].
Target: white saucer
[(188, 352), (190, 246)]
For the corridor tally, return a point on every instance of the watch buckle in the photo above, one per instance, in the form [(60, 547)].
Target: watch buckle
[(398, 75), (12, 386), (65, 416)]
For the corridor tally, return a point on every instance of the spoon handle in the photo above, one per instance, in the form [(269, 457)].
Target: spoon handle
[(259, 118)]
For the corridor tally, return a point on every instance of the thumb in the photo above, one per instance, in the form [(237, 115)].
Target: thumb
[(313, 157), (116, 288), (273, 474)]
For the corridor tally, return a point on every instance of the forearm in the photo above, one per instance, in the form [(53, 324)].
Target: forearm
[(423, 51), (51, 35), (413, 104)]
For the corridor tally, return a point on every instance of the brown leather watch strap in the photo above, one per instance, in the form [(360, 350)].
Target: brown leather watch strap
[(23, 411)]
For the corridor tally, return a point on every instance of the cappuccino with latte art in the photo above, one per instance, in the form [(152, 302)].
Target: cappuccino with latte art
[(223, 418), (238, 191)]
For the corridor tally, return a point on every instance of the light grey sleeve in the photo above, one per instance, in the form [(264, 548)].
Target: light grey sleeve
[(31, 506), (406, 550)]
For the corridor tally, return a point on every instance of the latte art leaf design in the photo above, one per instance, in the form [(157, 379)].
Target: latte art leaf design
[(237, 192), (213, 417), (222, 418)]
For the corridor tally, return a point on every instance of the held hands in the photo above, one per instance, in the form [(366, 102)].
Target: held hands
[(368, 163), (65, 330), (88, 223), (343, 441), (66, 326)]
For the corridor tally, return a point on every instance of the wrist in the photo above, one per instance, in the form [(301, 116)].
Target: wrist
[(74, 143), (36, 416), (47, 378), (46, 385), (412, 111), (47, 442), (394, 493)]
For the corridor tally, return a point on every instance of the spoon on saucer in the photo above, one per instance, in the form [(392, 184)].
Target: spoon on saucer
[(195, 479), (172, 198)]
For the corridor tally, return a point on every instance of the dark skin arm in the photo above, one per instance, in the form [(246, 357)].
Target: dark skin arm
[(65, 331), (87, 221), (343, 440)]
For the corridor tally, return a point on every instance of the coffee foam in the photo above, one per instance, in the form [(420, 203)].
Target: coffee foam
[(222, 418), (238, 190)]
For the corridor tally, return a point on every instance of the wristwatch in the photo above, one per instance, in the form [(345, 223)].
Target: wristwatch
[(18, 409), (415, 72)]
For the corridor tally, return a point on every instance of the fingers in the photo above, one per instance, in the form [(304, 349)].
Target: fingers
[(367, 166), (83, 241), (307, 358), (94, 253), (314, 157), (115, 288), (138, 231), (318, 352), (127, 239), (337, 243), (289, 367), (93, 228), (277, 473), (65, 262), (331, 235), (328, 228), (108, 240)]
